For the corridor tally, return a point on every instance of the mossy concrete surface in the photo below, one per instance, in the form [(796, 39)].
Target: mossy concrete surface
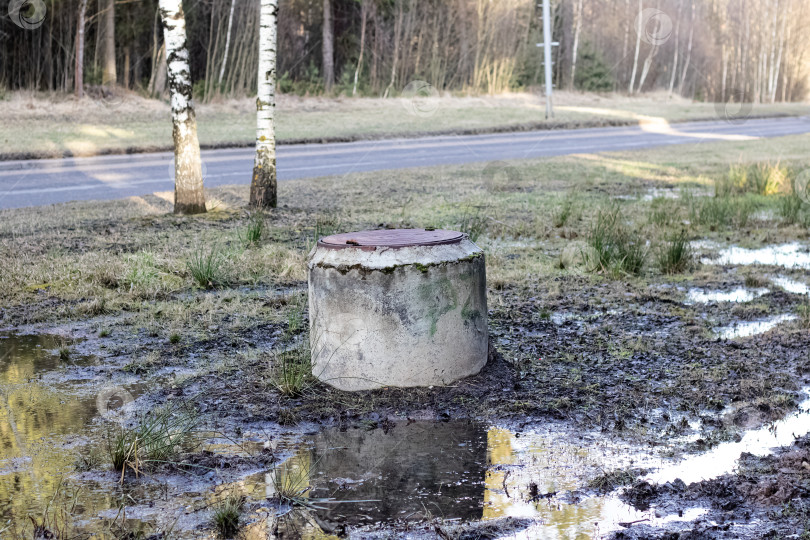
[(411, 316)]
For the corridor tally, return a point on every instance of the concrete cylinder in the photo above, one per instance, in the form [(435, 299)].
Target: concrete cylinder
[(402, 307)]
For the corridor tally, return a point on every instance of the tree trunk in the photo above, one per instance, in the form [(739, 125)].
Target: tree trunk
[(577, 29), (108, 75), (79, 81), (688, 49), (227, 46), (677, 48), (189, 197), (363, 17), (397, 37), (263, 187), (328, 46), (638, 47), (127, 59), (158, 84)]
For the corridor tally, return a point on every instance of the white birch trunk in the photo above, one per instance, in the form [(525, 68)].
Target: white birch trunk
[(79, 82), (577, 28), (263, 187), (227, 46), (677, 48), (189, 197), (638, 47), (688, 49)]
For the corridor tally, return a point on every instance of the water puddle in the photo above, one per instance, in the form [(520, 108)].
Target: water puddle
[(790, 285), (723, 458), (743, 329), (43, 418), (739, 295), (461, 472), (793, 255)]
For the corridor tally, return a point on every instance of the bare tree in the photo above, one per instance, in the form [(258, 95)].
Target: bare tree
[(227, 44), (189, 196), (638, 46), (688, 49), (108, 73), (363, 19), (79, 69), (263, 187), (328, 46), (577, 29)]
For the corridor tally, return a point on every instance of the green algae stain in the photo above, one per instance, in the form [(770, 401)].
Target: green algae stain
[(439, 297)]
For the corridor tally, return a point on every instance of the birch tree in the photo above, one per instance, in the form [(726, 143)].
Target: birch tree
[(189, 197), (639, 30), (227, 46), (263, 189), (577, 29)]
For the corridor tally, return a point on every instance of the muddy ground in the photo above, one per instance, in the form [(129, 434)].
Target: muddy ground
[(768, 497), (625, 358)]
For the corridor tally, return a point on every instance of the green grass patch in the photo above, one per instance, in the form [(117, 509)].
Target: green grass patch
[(614, 247)]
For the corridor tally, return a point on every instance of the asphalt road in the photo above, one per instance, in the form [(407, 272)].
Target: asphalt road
[(41, 182)]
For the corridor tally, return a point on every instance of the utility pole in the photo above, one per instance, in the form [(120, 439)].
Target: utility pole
[(547, 44)]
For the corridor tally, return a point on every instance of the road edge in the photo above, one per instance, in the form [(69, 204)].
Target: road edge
[(512, 128)]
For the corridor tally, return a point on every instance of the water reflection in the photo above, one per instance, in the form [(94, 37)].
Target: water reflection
[(457, 471), (38, 416), (743, 329), (723, 458), (739, 295), (792, 255)]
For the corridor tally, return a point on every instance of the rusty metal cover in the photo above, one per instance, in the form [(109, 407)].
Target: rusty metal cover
[(390, 238)]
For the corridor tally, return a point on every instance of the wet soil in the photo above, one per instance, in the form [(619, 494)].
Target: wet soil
[(768, 497)]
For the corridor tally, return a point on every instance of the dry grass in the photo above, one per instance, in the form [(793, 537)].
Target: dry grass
[(43, 125), (91, 259)]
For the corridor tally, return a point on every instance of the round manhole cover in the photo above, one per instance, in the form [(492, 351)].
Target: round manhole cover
[(391, 238)]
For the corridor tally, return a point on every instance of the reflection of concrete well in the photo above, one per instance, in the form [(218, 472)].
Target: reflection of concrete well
[(403, 307), (409, 472)]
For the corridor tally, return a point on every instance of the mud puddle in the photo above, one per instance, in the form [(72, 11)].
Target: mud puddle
[(49, 399), (457, 472), (742, 329), (738, 295), (792, 255), (724, 457)]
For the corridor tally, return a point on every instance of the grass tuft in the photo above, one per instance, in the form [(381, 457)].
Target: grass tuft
[(717, 212), (158, 438), (613, 247), (291, 372), (564, 213), (804, 313), (675, 255), (757, 178), (473, 222), (206, 267), (252, 233), (227, 514)]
